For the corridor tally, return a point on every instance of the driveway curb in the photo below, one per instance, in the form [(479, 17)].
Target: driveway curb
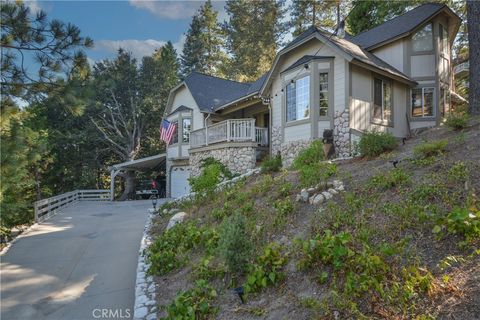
[(145, 307)]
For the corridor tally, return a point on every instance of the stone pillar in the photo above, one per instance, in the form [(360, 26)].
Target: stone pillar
[(341, 133)]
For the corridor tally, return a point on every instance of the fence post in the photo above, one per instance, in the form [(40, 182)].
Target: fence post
[(228, 130), (252, 128)]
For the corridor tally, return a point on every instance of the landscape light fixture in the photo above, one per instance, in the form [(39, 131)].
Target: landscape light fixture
[(240, 291), (154, 203)]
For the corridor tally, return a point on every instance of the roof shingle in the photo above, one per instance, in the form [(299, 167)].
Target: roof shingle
[(397, 26)]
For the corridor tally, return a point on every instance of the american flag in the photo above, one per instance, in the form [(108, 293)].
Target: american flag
[(167, 130)]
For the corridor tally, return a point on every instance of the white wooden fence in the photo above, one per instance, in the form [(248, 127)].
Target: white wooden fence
[(237, 130), (47, 208)]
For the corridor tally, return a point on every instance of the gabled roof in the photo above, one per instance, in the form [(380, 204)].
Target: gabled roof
[(306, 59), (212, 92), (398, 26), (351, 51), (180, 109)]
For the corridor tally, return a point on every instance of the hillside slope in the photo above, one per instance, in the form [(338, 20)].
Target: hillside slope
[(398, 243)]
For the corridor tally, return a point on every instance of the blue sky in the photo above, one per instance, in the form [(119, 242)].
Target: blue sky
[(138, 26)]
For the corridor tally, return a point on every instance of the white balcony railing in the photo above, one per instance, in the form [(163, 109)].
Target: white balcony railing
[(236, 130), (462, 67)]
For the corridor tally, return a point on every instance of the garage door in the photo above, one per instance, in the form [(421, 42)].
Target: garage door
[(179, 181)]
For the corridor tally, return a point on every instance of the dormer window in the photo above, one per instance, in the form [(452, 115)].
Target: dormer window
[(423, 40)]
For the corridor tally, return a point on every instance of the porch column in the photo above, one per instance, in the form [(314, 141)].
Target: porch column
[(113, 173)]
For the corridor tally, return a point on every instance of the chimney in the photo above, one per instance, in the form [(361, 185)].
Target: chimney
[(341, 30)]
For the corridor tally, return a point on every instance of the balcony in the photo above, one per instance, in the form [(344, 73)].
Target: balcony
[(232, 130), (461, 69)]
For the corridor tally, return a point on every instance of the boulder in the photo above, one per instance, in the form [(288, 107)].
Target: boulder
[(304, 194), (177, 218), (319, 198), (327, 195)]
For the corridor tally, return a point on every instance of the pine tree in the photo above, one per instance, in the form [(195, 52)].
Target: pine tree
[(366, 14), (54, 45), (253, 34), (193, 50), (203, 49), (319, 13), (158, 74)]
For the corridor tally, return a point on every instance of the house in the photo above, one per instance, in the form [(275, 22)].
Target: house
[(396, 77)]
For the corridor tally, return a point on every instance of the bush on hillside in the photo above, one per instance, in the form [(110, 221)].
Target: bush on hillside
[(235, 246), (430, 149), (272, 164), (374, 143), (213, 172), (312, 154), (457, 121), (310, 166)]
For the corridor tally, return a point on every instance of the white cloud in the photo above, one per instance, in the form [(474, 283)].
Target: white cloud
[(177, 10), (139, 48), (33, 5), (173, 10)]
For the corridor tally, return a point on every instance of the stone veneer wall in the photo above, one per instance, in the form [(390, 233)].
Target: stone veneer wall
[(341, 133), (276, 140), (290, 150), (238, 159)]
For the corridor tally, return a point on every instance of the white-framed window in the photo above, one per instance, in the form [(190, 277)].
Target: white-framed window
[(422, 102), (323, 98), (443, 39), (298, 99), (422, 40), (175, 133), (186, 127), (382, 100)]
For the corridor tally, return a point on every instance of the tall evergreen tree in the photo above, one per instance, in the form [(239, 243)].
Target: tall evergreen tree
[(158, 75), (319, 13), (54, 45), (366, 14), (253, 34), (203, 50)]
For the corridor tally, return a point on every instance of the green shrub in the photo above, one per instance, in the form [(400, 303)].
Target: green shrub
[(390, 179), (195, 303), (313, 174), (168, 250), (272, 164), (213, 172), (328, 248), (457, 121), (310, 155), (283, 207), (458, 172), (465, 222), (374, 143), (235, 246), (430, 149), (267, 269)]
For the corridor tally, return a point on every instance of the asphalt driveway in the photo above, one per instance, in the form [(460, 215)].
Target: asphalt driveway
[(79, 265)]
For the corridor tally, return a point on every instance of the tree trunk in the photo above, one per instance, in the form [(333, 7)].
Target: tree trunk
[(473, 23), (129, 190)]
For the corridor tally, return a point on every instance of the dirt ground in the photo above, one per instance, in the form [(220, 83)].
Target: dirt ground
[(459, 299)]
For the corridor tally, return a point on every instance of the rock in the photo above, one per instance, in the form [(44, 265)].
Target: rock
[(140, 312), (298, 198), (341, 188), (327, 195), (310, 200), (318, 199), (304, 194), (311, 190), (177, 218), (152, 316), (165, 211), (174, 211), (337, 183), (142, 299), (332, 191)]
